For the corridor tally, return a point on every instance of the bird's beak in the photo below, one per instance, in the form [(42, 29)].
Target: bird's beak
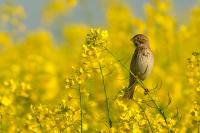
[(132, 39)]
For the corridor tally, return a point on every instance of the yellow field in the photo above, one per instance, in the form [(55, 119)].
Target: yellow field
[(76, 84)]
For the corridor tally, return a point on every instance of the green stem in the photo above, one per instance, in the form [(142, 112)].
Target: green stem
[(151, 128), (40, 126), (105, 92), (160, 111), (81, 109), (38, 121)]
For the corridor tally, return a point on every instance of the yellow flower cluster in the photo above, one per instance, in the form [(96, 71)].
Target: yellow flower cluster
[(194, 80), (194, 71), (96, 41), (61, 118)]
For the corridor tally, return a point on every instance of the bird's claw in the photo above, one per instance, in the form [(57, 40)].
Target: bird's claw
[(146, 91)]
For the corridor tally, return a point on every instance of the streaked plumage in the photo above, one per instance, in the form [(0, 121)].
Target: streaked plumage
[(141, 63)]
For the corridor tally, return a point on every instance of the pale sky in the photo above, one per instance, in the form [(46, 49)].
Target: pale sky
[(94, 9)]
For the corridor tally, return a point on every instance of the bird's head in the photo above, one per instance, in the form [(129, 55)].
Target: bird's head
[(140, 40)]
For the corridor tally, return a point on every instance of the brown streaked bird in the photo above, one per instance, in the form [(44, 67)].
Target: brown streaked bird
[(141, 63)]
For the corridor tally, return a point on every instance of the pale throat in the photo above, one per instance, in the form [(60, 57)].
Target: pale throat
[(143, 45)]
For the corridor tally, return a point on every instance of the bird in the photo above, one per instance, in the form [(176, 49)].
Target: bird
[(141, 63)]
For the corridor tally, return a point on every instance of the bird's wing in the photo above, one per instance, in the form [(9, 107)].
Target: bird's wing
[(133, 68)]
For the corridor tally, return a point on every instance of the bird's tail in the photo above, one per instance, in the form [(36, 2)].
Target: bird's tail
[(129, 93)]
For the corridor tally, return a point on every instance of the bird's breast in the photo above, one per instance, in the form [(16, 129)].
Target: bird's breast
[(142, 63)]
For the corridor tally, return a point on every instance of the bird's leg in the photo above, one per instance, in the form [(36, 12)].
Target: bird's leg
[(146, 91)]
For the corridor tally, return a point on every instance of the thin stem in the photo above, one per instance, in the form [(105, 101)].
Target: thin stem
[(151, 128), (160, 111), (81, 109), (38, 121), (105, 92), (40, 125)]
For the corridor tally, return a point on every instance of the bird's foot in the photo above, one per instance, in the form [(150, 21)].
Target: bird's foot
[(146, 91)]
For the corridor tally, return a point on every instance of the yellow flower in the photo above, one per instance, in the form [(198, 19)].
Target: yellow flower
[(6, 101)]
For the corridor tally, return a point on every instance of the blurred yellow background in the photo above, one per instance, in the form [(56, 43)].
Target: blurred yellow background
[(65, 73)]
